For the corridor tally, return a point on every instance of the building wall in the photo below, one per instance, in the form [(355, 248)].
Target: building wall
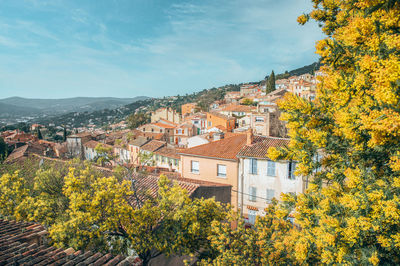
[(167, 114), (280, 183), (219, 121), (188, 108), (208, 172), (166, 162), (90, 153), (74, 146)]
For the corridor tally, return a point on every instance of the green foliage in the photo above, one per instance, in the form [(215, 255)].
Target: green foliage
[(137, 119), (39, 133), (270, 83), (3, 150), (103, 154), (247, 101), (85, 209)]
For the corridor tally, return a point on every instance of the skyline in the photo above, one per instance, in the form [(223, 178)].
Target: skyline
[(62, 49)]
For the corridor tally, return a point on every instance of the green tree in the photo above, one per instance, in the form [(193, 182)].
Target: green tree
[(64, 135), (137, 119), (270, 83), (247, 101), (103, 154), (38, 133), (3, 149)]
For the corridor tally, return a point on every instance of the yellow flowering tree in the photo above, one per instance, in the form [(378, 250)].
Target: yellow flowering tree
[(269, 241), (347, 140), (85, 209)]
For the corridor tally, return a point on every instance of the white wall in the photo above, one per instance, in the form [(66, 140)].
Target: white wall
[(280, 183)]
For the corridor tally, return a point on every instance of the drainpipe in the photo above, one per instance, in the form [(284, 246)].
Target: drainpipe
[(241, 175)]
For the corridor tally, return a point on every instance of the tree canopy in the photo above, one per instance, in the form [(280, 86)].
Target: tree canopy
[(346, 141), (87, 209)]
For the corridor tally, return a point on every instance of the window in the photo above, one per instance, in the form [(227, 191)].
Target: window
[(179, 131), (221, 170), (271, 168), (253, 166), (209, 123), (252, 193), (176, 162), (270, 194), (195, 167), (259, 119), (292, 168), (252, 216), (152, 130)]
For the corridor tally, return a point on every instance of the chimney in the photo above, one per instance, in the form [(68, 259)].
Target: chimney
[(219, 136), (249, 134)]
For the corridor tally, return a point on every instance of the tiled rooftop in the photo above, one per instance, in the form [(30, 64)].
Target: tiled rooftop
[(21, 243), (260, 149), (226, 148), (25, 150), (153, 145)]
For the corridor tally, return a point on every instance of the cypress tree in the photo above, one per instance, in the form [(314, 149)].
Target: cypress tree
[(65, 135), (39, 134), (3, 149), (270, 83)]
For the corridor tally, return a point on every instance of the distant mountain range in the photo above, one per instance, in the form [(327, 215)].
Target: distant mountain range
[(18, 106)]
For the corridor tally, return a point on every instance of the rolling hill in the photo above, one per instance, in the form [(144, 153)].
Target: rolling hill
[(18, 106)]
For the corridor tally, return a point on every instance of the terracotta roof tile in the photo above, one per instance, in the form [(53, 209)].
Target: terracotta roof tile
[(21, 243), (226, 148), (139, 141), (25, 150), (153, 145), (260, 149), (238, 108), (168, 151), (226, 117)]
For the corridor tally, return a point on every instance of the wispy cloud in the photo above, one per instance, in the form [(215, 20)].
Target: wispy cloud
[(153, 48)]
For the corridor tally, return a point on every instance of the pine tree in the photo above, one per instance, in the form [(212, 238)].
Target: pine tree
[(270, 83)]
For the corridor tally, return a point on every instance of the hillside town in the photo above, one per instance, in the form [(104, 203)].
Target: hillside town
[(222, 152)]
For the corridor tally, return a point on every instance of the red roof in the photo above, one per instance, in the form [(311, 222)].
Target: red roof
[(260, 149), (226, 148), (20, 245), (153, 145)]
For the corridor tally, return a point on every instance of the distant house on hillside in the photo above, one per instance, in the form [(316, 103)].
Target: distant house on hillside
[(215, 119), (188, 108), (167, 114)]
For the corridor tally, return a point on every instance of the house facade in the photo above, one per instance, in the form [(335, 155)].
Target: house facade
[(215, 162), (183, 132), (168, 114), (188, 108), (261, 179), (215, 119)]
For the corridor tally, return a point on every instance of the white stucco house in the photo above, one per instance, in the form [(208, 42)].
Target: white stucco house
[(261, 179)]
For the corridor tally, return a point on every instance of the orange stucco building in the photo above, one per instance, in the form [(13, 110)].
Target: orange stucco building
[(219, 120), (188, 108)]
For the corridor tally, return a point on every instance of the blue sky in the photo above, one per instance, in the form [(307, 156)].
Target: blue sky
[(127, 48)]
